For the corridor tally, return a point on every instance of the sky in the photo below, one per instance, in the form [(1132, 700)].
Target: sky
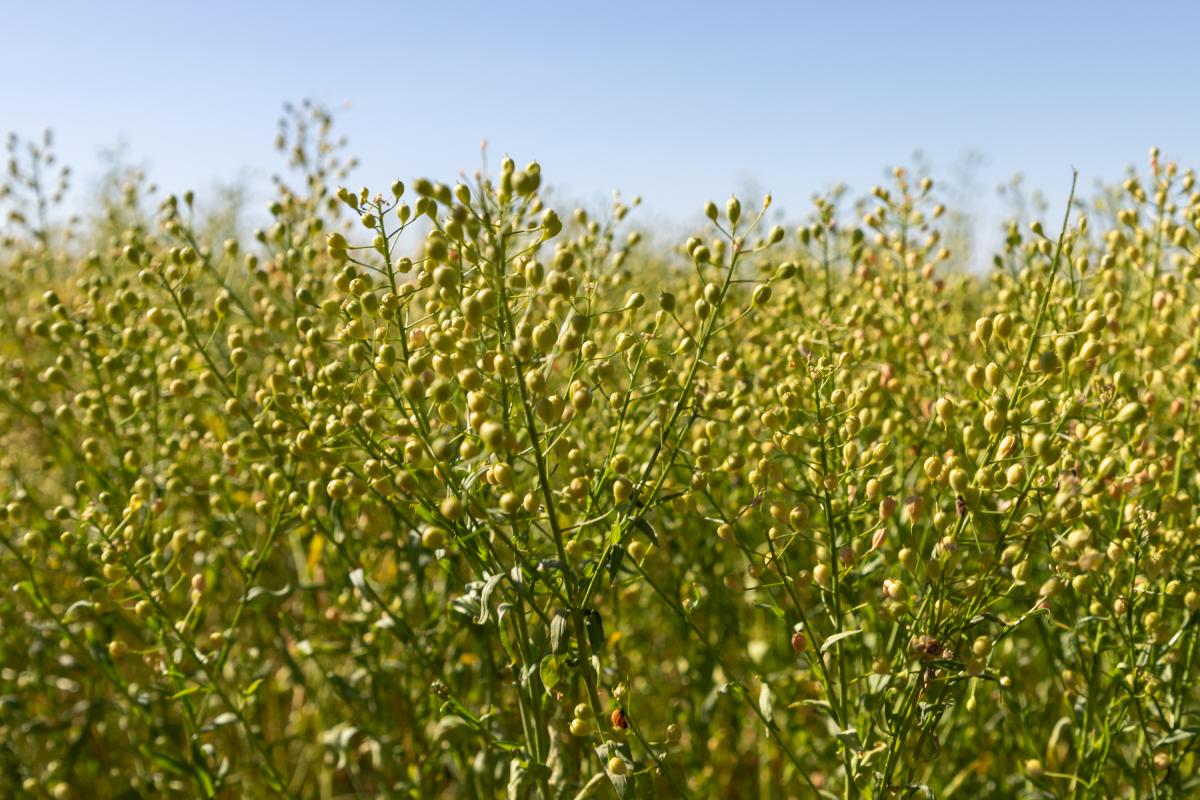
[(676, 102)]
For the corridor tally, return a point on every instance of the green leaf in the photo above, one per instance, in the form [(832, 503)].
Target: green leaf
[(78, 605), (206, 781), (485, 595), (732, 687), (168, 763), (468, 606), (454, 708), (548, 670), (560, 636), (622, 784), (849, 737), (595, 630), (614, 561), (837, 637), (259, 591), (645, 527), (505, 745), (1177, 735), (773, 608)]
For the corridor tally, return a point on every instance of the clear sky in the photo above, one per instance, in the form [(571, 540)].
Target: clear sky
[(678, 102)]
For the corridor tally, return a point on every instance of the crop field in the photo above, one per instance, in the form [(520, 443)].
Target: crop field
[(443, 488)]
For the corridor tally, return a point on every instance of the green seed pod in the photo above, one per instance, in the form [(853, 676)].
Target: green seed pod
[(545, 336), (1002, 326), (1131, 412), (994, 375), (1091, 349), (1015, 475), (1051, 587)]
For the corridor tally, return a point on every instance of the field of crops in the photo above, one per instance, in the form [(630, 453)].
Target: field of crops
[(434, 490)]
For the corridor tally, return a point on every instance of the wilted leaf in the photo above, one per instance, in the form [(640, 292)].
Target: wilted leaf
[(766, 703), (485, 597)]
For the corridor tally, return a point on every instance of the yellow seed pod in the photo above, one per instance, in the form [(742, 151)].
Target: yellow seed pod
[(983, 329), (993, 373), (933, 468)]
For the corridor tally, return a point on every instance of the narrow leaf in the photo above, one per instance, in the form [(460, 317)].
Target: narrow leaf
[(837, 637)]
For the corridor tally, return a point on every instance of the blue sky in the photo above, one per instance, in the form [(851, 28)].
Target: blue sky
[(678, 102)]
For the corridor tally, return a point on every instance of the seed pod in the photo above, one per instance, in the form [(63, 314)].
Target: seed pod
[(1002, 326), (914, 508), (945, 409), (733, 210), (798, 517), (895, 590), (983, 329), (1051, 587), (493, 435), (1132, 411), (933, 467), (1015, 475), (887, 507)]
